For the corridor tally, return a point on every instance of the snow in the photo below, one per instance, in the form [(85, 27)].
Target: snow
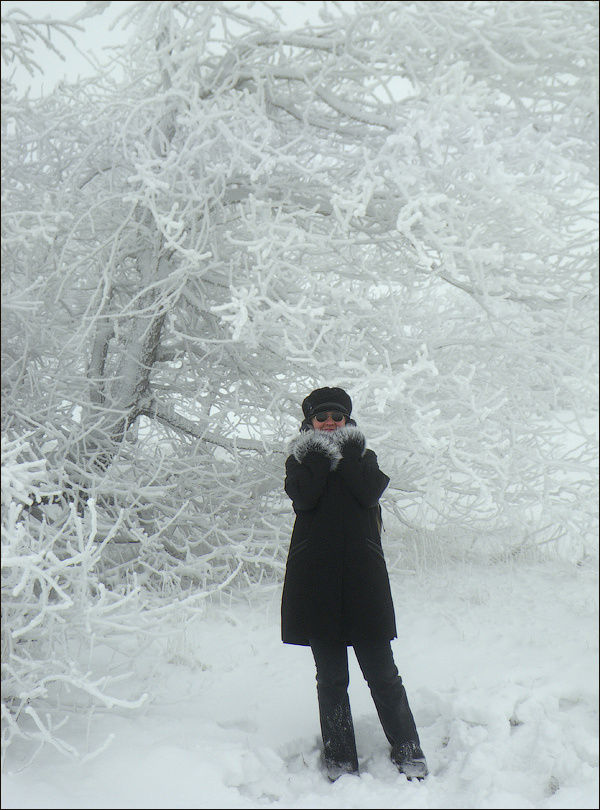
[(500, 666)]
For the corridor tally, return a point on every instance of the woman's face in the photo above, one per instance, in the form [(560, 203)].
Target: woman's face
[(329, 423)]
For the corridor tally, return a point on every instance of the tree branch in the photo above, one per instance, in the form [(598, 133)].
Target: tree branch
[(155, 410)]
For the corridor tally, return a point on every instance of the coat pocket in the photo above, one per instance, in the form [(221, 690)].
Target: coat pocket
[(375, 547), (298, 548)]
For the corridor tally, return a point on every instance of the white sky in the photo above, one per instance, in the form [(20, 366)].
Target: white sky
[(97, 36)]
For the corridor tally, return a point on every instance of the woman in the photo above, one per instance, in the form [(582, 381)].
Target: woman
[(336, 591)]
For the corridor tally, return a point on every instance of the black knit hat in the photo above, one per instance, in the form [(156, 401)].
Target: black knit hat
[(326, 399)]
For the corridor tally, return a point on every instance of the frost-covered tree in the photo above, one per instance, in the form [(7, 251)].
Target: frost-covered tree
[(400, 199)]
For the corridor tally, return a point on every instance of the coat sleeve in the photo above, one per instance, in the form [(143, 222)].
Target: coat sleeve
[(304, 482), (362, 476)]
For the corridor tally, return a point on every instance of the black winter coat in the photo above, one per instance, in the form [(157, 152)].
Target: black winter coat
[(336, 583)]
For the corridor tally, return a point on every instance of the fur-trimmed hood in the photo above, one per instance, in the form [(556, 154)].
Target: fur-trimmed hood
[(330, 444)]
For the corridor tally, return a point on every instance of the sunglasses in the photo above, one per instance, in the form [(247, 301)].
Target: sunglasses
[(335, 415)]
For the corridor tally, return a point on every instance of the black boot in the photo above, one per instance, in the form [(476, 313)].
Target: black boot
[(339, 754), (410, 760), (337, 729), (336, 769)]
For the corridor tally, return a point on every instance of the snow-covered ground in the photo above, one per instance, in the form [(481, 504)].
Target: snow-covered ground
[(499, 662)]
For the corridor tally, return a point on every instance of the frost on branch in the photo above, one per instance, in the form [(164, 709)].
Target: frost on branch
[(21, 32)]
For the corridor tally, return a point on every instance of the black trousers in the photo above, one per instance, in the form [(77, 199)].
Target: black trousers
[(377, 664)]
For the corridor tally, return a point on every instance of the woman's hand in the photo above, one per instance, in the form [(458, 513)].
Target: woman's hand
[(350, 442), (318, 443)]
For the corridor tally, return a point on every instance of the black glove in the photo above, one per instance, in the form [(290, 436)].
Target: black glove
[(350, 442), (315, 442)]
